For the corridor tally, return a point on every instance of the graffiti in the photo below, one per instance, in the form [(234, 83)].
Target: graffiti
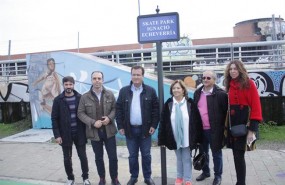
[(14, 92), (269, 83), (44, 81)]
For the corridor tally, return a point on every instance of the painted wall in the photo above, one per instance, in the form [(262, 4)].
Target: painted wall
[(44, 77), (40, 93)]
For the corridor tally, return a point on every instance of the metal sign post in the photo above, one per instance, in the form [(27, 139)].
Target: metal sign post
[(158, 28)]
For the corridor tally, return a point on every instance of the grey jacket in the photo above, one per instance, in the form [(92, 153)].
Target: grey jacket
[(87, 113)]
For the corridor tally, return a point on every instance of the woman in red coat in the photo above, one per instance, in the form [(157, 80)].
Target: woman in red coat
[(245, 108)]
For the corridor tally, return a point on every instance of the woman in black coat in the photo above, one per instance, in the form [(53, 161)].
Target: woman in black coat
[(176, 129)]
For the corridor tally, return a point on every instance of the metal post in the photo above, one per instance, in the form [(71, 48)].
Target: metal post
[(161, 102), (78, 42)]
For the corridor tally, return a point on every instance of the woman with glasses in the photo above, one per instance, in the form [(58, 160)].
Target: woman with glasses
[(245, 108), (176, 128)]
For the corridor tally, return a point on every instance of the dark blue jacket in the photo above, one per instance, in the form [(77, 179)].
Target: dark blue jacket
[(149, 109), (60, 117)]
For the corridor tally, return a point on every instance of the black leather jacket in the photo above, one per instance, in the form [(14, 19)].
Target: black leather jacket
[(149, 109)]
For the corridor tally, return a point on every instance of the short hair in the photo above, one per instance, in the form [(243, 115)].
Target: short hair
[(183, 86), (138, 67), (68, 79), (50, 59), (97, 72), (214, 74)]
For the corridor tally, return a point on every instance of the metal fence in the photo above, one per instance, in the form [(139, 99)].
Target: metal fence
[(268, 55), (181, 59)]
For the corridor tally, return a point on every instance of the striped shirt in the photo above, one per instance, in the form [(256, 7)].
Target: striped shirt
[(71, 101)]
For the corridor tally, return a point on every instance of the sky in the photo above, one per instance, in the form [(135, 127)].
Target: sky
[(48, 25)]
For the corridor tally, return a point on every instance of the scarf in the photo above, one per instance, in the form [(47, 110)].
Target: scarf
[(179, 126)]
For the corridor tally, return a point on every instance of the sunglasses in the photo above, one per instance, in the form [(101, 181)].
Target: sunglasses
[(206, 77)]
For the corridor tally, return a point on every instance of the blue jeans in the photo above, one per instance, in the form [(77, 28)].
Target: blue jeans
[(67, 158), (111, 148), (184, 163), (135, 143), (217, 156)]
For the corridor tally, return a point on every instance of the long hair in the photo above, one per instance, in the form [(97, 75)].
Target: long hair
[(243, 78), (183, 86)]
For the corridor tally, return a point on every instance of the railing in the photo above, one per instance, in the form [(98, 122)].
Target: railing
[(269, 55), (182, 59)]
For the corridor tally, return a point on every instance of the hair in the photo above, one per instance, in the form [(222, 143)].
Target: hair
[(243, 78), (138, 67), (97, 72), (214, 74), (68, 79), (183, 86), (50, 59)]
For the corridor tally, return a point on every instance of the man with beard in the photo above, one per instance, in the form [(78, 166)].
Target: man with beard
[(68, 129)]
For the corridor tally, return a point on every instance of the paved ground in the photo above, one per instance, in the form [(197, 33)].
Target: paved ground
[(27, 163)]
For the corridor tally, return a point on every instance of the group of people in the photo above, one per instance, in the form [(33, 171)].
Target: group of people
[(76, 118), (184, 124)]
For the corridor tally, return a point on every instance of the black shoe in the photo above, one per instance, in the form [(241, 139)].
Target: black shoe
[(217, 181), (202, 177), (115, 182), (102, 181), (149, 181), (132, 181)]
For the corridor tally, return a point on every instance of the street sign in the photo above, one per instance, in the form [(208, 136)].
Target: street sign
[(158, 27)]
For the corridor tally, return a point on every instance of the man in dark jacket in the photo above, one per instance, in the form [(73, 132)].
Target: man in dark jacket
[(212, 105), (68, 129), (137, 116)]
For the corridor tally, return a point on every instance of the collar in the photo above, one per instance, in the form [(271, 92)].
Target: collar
[(175, 101), (133, 88), (209, 92)]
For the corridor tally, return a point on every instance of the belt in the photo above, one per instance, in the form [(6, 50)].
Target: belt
[(136, 126)]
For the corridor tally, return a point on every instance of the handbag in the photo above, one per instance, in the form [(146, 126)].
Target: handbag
[(199, 161), (236, 130)]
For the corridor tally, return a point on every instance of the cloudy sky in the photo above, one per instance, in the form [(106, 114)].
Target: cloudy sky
[(46, 25)]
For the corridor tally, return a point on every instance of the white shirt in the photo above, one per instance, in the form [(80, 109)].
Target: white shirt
[(185, 116), (136, 117)]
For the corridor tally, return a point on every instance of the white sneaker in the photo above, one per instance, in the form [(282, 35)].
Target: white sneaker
[(86, 182), (70, 182)]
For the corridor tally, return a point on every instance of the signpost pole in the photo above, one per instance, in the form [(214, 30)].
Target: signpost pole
[(158, 28), (161, 102)]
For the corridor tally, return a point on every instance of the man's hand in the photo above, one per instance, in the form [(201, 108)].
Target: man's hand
[(151, 130), (98, 124), (122, 132), (58, 140), (105, 120)]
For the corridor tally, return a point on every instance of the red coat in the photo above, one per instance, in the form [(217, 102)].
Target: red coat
[(248, 97)]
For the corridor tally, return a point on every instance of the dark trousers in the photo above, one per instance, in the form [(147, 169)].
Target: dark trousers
[(240, 166), (217, 156), (135, 144), (111, 148), (67, 158)]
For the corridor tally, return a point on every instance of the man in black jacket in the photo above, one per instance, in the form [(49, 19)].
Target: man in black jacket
[(137, 116), (212, 105), (68, 129)]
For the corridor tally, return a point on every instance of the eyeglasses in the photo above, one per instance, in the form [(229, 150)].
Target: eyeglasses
[(206, 77)]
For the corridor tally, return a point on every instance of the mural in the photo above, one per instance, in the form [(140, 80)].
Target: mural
[(47, 70), (269, 83)]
